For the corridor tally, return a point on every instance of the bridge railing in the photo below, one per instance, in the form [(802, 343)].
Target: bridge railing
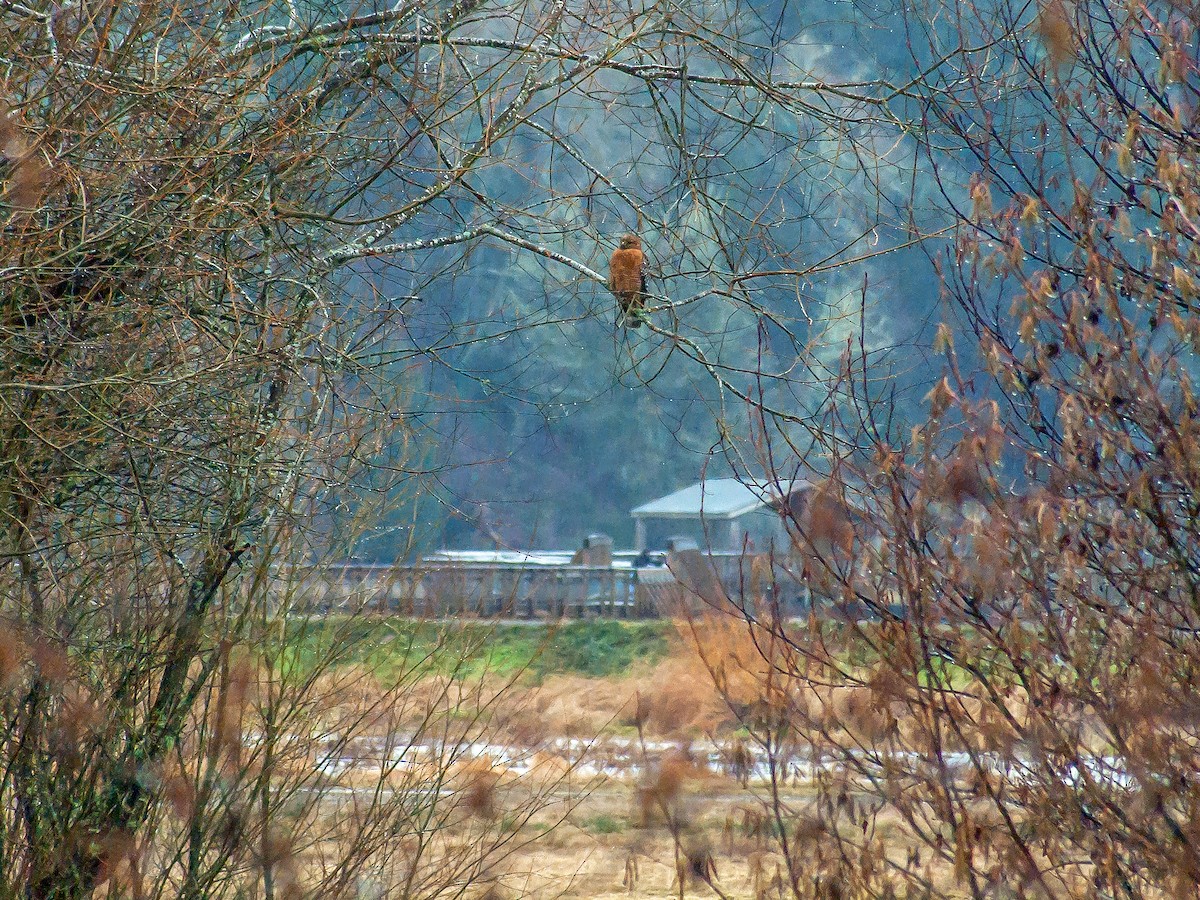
[(480, 590), (457, 589)]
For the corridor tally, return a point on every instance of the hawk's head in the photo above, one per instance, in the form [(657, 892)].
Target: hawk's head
[(631, 242)]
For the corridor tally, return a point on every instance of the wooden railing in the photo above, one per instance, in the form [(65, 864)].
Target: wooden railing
[(446, 590), (515, 590)]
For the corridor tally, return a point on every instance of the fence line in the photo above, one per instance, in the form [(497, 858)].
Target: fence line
[(508, 590)]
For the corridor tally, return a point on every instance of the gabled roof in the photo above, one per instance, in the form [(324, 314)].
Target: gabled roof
[(717, 498)]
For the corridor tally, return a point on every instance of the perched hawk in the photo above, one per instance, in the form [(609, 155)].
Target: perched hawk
[(627, 279)]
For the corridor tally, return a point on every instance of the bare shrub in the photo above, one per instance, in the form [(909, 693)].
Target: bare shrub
[(218, 225), (995, 695)]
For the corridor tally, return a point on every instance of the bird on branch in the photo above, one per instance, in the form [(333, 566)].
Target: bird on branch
[(627, 280)]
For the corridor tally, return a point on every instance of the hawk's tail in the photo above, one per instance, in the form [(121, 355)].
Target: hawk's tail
[(634, 318)]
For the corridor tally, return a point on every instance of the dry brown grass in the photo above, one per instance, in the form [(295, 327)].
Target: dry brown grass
[(28, 174), (827, 522), (14, 653), (568, 706), (661, 790), (478, 782), (678, 825), (714, 676), (1053, 25)]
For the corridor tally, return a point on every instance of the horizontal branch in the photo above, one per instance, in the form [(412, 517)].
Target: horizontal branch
[(310, 41), (346, 254)]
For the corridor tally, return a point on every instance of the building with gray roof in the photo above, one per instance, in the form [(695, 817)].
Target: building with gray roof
[(723, 511)]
